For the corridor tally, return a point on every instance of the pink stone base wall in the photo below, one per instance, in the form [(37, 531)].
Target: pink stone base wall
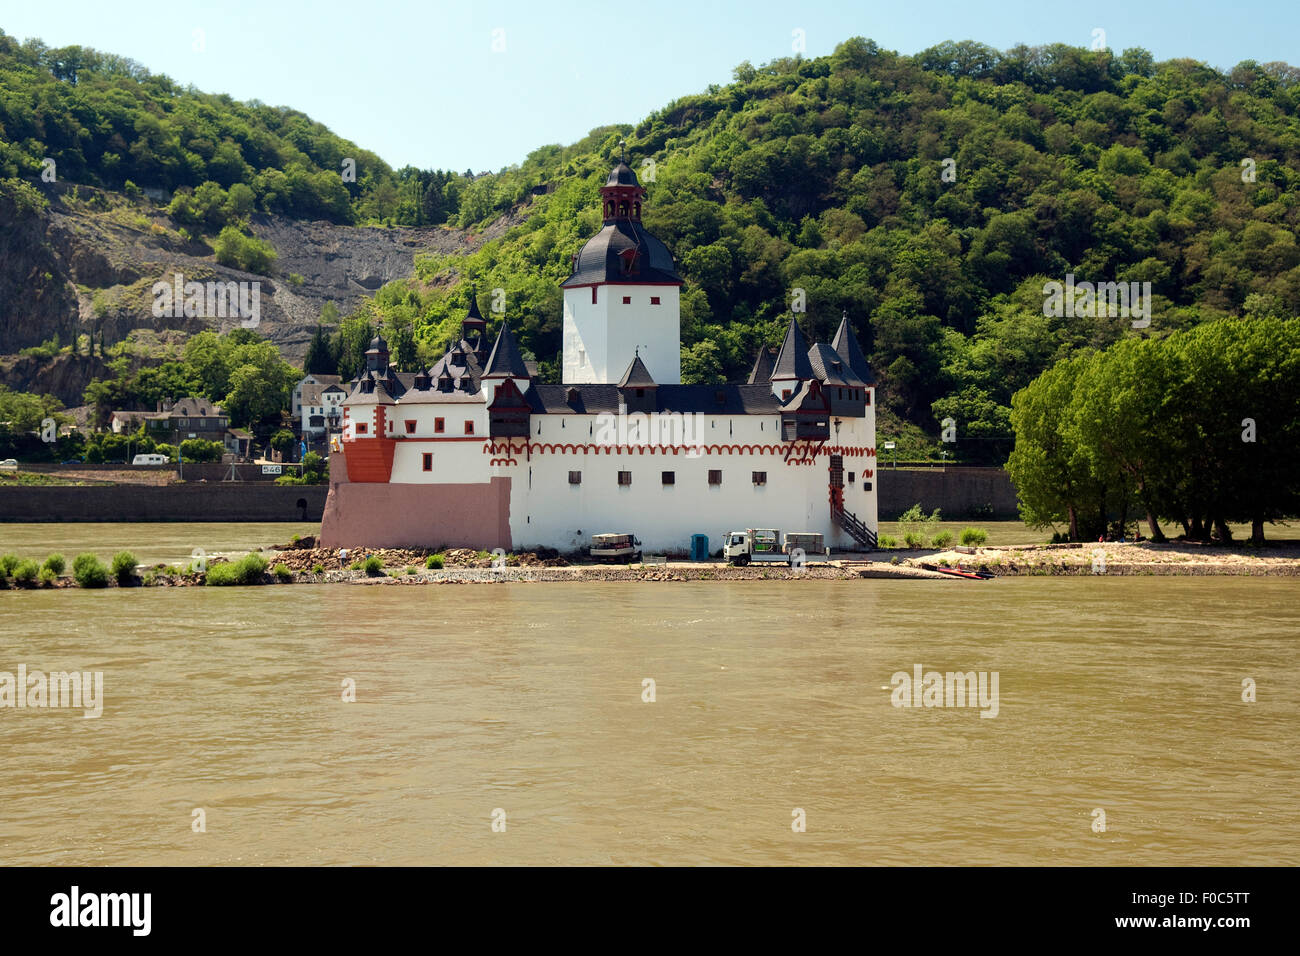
[(373, 515)]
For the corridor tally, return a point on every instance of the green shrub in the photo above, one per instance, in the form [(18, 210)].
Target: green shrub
[(7, 564), (48, 577), (55, 563), (374, 565), (249, 253), (247, 570), (354, 566), (318, 569), (973, 537), (89, 572), (295, 539), (914, 539), (123, 567), (408, 570), (25, 572), (941, 540), (282, 572), (886, 541), (434, 562)]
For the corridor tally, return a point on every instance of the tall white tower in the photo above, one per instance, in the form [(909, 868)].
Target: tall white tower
[(624, 296)]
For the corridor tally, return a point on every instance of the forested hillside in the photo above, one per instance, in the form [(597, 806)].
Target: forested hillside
[(827, 175), (929, 196)]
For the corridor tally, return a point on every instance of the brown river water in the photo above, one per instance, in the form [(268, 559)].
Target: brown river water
[(1122, 695)]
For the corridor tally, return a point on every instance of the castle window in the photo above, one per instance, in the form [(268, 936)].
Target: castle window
[(759, 478), (439, 425), (593, 295), (362, 428), (637, 210), (866, 486), (469, 427), (654, 300), (715, 477), (428, 461), (627, 300), (669, 477), (575, 477), (640, 393), (625, 478), (410, 426), (622, 208), (850, 477), (785, 394), (867, 395)]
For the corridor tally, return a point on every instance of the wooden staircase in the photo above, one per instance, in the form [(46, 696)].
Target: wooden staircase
[(859, 532)]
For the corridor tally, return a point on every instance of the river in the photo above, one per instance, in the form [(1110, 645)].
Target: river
[(1122, 695)]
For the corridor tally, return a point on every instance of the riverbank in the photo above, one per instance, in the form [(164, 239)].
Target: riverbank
[(303, 563), (1275, 559)]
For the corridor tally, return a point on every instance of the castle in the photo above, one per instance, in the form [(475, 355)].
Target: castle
[(473, 452)]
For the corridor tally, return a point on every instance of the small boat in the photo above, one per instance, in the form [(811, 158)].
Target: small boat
[(963, 573)]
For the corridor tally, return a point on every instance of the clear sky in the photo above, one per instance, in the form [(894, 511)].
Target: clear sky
[(419, 82)]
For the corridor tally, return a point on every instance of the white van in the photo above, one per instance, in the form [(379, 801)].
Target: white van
[(150, 460)]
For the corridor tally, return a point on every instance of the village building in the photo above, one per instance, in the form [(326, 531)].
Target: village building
[(175, 422), (474, 452)]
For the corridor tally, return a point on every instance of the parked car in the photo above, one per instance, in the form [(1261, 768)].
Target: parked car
[(153, 459), (9, 464)]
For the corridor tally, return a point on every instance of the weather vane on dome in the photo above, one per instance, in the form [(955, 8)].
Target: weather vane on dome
[(622, 151)]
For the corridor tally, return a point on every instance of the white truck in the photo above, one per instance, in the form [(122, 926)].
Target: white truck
[(763, 546), (612, 548)]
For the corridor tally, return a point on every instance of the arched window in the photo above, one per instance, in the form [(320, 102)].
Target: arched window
[(637, 212), (622, 208)]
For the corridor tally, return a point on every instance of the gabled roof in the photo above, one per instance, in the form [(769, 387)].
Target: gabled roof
[(377, 396), (505, 360), (830, 367), (792, 360), (763, 365), (637, 375), (846, 344)]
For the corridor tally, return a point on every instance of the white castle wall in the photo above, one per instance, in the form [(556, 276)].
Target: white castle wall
[(546, 510)]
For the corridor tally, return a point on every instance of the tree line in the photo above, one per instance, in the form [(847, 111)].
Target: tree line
[(1201, 429)]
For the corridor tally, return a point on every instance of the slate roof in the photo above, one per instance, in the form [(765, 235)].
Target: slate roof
[(846, 344), (686, 399), (602, 259), (829, 367), (792, 360), (622, 175), (637, 375), (194, 408), (505, 360), (763, 365)]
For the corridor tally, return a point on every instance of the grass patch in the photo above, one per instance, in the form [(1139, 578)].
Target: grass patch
[(123, 567), (247, 570), (89, 572), (435, 562)]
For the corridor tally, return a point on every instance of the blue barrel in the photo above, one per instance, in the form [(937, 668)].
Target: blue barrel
[(699, 547)]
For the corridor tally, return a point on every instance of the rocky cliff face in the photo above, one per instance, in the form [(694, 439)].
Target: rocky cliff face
[(89, 261)]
